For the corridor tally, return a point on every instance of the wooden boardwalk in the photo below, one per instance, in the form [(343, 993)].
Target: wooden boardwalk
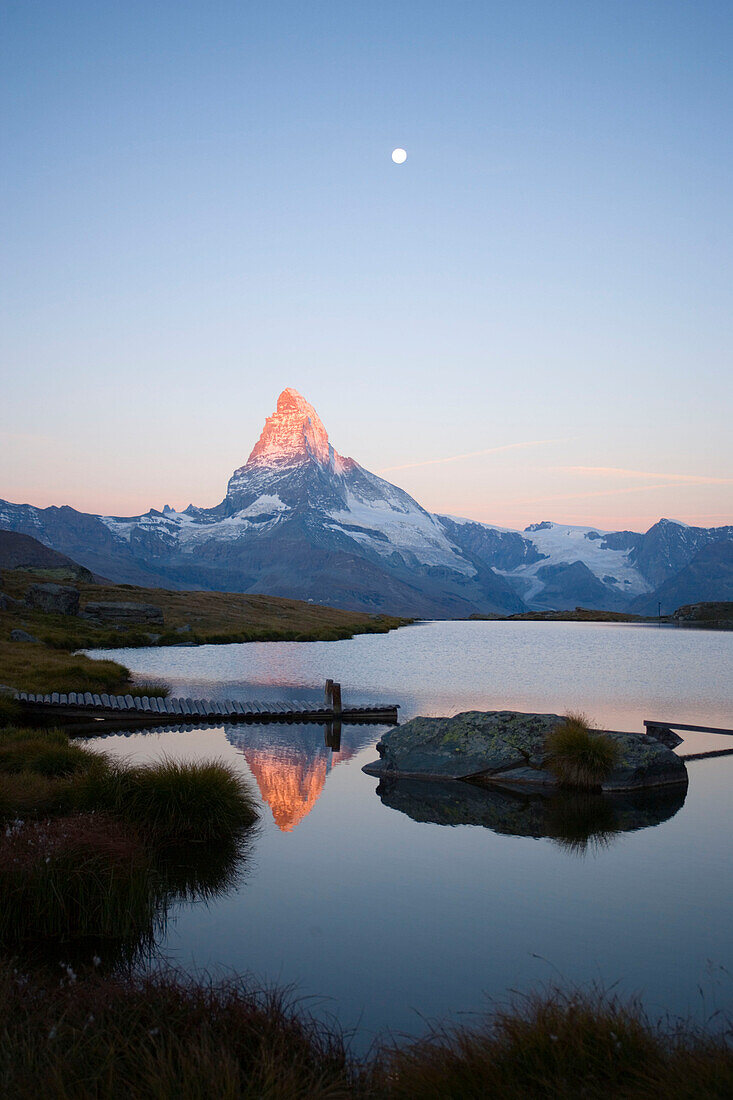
[(80, 706)]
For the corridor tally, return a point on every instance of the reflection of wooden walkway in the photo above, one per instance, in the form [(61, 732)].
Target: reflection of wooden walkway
[(655, 728), (76, 706)]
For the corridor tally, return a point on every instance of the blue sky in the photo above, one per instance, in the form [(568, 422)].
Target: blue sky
[(198, 208)]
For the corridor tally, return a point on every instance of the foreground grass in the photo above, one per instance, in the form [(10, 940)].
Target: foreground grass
[(161, 1038), (71, 877), (164, 1037), (560, 1046), (92, 848), (172, 801)]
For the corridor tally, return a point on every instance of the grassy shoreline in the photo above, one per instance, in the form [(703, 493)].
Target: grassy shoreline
[(84, 843), (51, 663)]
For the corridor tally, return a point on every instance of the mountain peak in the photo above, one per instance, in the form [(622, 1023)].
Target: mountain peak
[(293, 435)]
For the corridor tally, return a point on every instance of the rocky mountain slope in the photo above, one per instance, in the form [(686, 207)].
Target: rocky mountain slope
[(18, 551), (300, 520)]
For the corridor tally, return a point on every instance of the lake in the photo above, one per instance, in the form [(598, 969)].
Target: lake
[(385, 918)]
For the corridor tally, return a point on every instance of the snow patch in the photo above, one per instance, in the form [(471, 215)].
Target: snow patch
[(406, 529)]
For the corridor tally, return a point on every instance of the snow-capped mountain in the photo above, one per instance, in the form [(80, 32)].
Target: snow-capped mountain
[(300, 520)]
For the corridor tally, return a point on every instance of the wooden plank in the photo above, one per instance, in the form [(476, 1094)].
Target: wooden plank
[(692, 729), (705, 755)]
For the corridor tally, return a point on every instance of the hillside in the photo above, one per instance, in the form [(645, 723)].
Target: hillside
[(19, 551)]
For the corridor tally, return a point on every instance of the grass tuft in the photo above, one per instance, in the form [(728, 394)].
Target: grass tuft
[(556, 1046), (98, 849), (70, 877), (152, 690), (165, 1036), (578, 756), (162, 1037), (179, 800), (173, 801)]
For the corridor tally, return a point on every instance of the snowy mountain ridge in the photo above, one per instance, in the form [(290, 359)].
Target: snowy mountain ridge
[(298, 519)]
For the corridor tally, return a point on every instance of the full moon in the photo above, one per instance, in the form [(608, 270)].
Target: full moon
[(399, 156)]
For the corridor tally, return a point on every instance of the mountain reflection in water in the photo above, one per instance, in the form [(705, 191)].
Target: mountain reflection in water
[(577, 821), (290, 763)]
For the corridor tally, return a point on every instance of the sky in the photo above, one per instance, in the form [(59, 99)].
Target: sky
[(529, 319)]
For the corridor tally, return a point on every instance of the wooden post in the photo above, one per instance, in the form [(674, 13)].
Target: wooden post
[(336, 698), (329, 694)]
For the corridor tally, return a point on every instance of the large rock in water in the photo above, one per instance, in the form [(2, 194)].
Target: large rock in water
[(508, 747)]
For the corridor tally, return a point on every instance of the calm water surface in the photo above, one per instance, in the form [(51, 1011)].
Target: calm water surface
[(387, 918)]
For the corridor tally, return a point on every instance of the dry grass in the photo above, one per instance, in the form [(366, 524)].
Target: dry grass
[(560, 1046), (71, 877), (148, 688), (172, 801), (167, 1037), (578, 756), (120, 1038), (209, 616), (87, 846), (29, 667)]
